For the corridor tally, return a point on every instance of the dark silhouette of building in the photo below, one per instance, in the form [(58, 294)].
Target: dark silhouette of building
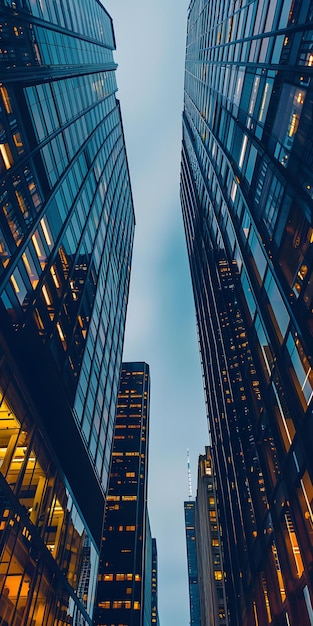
[(246, 192), (66, 233), (124, 593)]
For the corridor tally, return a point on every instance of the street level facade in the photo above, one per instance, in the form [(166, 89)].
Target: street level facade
[(246, 193), (66, 235)]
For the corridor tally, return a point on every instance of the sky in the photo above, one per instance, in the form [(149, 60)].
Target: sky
[(161, 327)]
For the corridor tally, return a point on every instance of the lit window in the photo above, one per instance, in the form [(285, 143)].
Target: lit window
[(55, 276), (19, 287), (38, 320), (30, 268), (266, 598), (46, 296), (6, 155), (243, 151), (137, 606), (279, 573), (294, 544), (233, 191), (18, 143), (104, 605), (60, 331), (6, 99), (46, 231), (39, 249), (218, 575)]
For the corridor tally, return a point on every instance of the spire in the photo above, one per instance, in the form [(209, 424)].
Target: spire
[(189, 475)]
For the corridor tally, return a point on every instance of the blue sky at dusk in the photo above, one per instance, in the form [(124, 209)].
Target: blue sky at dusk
[(161, 328)]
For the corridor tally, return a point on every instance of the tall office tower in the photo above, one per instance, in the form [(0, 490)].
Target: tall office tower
[(246, 190), (191, 544), (66, 232), (122, 586), (209, 539)]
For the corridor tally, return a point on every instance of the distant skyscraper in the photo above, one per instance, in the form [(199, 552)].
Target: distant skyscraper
[(66, 233), (246, 191), (192, 562), (124, 585), (209, 539), (154, 585)]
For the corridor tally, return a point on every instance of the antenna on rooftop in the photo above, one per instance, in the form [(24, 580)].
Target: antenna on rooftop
[(189, 475)]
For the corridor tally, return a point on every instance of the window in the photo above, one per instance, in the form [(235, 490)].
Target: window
[(47, 232), (39, 248), (30, 268), (6, 155), (19, 286), (106, 604), (300, 370), (6, 100), (276, 306)]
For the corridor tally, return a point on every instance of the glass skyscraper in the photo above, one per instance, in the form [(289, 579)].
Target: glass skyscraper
[(192, 562), (246, 192), (66, 234), (125, 574)]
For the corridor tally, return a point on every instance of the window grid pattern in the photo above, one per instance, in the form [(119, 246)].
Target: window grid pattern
[(249, 238)]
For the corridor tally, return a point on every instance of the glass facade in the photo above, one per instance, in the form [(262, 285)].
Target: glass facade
[(193, 576), (66, 236), (246, 192), (154, 585), (124, 585)]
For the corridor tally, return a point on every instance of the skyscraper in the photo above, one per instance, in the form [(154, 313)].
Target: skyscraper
[(125, 585), (246, 192), (66, 234), (154, 585), (209, 538), (192, 562)]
